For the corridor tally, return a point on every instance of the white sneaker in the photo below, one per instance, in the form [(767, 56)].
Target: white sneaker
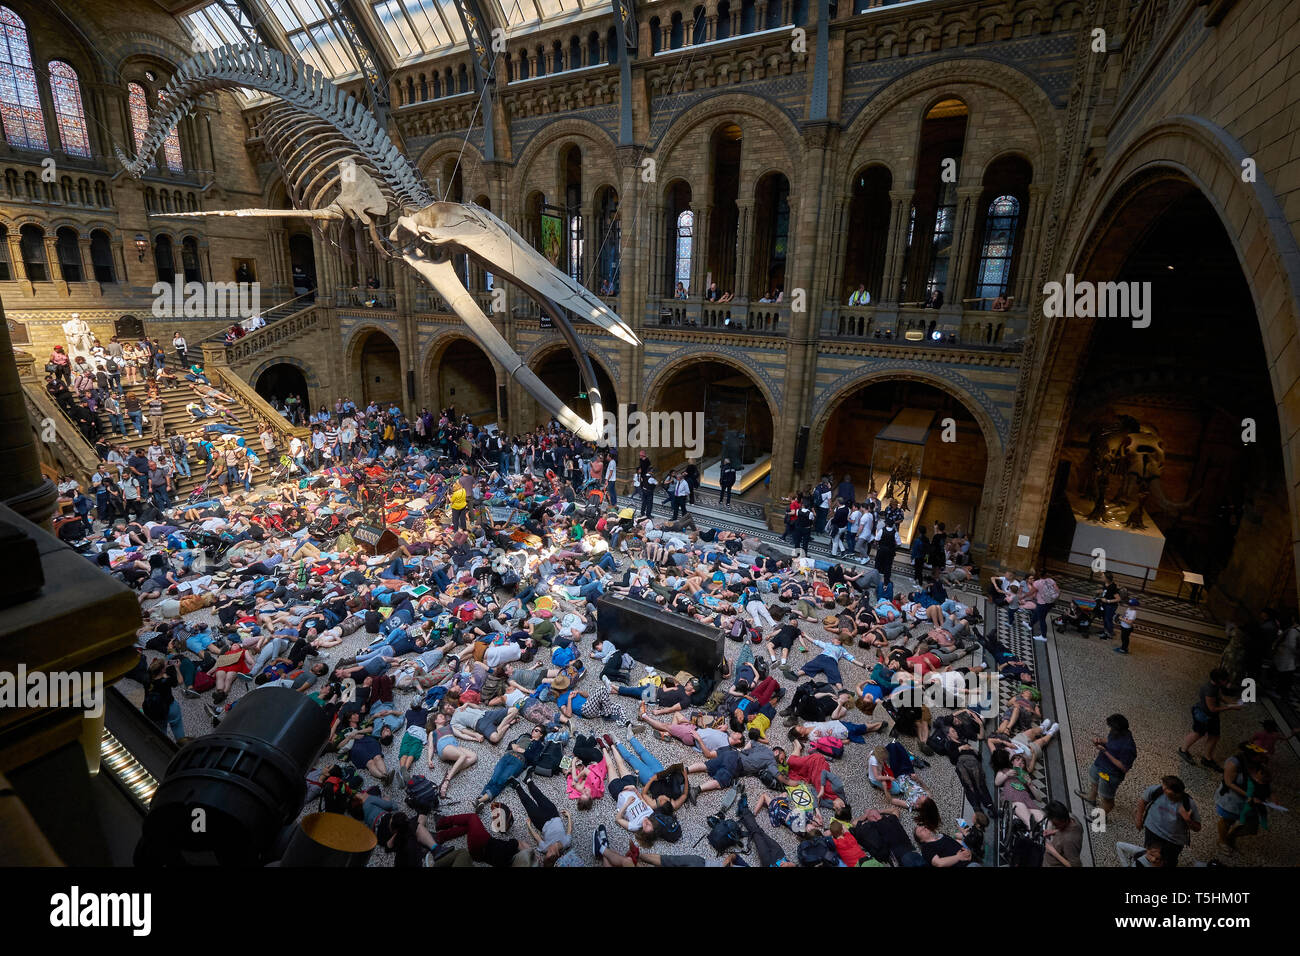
[(1044, 726), (609, 686)]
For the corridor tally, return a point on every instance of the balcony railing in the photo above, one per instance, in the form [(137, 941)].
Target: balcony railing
[(747, 318), (365, 299), (975, 329)]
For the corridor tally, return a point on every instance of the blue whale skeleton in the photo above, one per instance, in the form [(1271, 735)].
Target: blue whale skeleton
[(340, 167)]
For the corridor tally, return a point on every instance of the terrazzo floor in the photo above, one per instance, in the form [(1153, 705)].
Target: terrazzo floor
[(939, 779), (1154, 687)]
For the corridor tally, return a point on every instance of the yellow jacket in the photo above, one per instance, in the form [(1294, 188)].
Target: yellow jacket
[(458, 498)]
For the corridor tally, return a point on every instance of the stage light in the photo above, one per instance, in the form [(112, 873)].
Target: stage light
[(937, 335), (141, 245)]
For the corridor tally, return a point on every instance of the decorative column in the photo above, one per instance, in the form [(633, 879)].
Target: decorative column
[(1030, 242), (51, 258), (963, 247), (87, 262), (22, 486), (900, 206), (744, 250), (700, 252)]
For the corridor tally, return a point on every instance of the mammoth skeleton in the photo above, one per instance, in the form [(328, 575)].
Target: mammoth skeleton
[(342, 171)]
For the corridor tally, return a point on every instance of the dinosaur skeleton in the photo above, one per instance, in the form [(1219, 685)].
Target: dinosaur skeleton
[(340, 168)]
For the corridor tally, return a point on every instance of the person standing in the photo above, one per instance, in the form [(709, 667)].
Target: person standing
[(920, 548), (611, 477), (1126, 626), (681, 489), (821, 501), (1210, 703), (726, 481), (886, 548), (648, 484), (181, 347), (1115, 757), (1108, 599), (458, 503), (804, 520), (839, 525), (1168, 816), (692, 479)]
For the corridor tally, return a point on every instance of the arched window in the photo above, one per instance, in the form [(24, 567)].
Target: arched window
[(163, 260), (101, 256), (68, 250), (65, 90), (31, 242), (20, 102), (685, 244), (11, 183), (172, 147), (138, 106), (190, 259), (6, 269), (998, 248), (69, 194), (101, 195), (83, 192), (609, 251)]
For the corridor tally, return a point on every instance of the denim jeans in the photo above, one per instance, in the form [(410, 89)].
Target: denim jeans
[(174, 721), (270, 651), (116, 421), (137, 421), (643, 761), (508, 766), (183, 465)]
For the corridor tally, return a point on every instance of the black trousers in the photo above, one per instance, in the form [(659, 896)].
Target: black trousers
[(724, 495), (536, 804)]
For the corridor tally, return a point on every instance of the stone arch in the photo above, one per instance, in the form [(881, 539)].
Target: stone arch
[(729, 107), (307, 372), (454, 146), (353, 350), (991, 424), (658, 377), (532, 171), (599, 356), (433, 353), (1210, 160), (952, 75)]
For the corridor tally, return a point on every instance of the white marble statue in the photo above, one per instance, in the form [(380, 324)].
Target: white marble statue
[(80, 339)]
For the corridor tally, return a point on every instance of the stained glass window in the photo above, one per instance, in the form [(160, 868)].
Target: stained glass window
[(20, 103), (138, 105), (172, 147), (65, 90), (685, 239), (999, 246)]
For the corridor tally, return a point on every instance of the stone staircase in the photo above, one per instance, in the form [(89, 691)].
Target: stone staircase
[(177, 420)]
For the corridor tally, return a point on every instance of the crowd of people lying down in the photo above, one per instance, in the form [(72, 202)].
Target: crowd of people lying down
[(847, 725)]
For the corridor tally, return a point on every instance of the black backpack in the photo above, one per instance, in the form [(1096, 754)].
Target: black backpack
[(666, 826), (724, 834), (421, 794), (818, 851)]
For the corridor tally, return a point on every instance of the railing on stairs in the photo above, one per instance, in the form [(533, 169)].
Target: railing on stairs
[(274, 333), (77, 454), (220, 373)]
